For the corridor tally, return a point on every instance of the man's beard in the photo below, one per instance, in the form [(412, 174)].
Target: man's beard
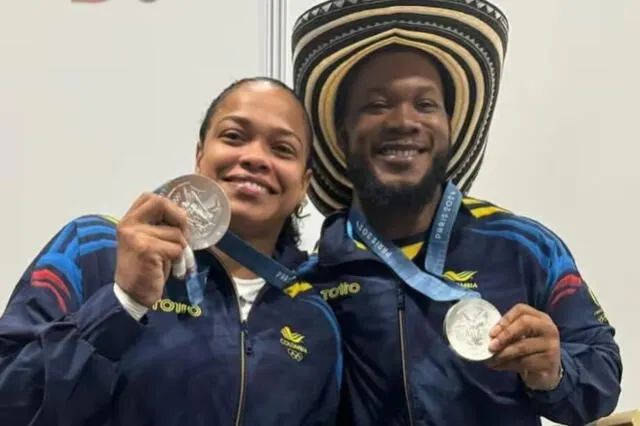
[(409, 198)]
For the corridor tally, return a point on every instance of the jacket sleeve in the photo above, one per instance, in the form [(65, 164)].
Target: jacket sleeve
[(58, 351), (590, 385)]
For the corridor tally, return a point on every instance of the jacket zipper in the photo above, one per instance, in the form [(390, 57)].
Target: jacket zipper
[(401, 326), (245, 344), (244, 332), (246, 349), (243, 372)]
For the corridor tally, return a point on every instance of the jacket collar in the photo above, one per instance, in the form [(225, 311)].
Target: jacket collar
[(336, 247)]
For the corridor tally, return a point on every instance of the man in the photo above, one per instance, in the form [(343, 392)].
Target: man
[(402, 94)]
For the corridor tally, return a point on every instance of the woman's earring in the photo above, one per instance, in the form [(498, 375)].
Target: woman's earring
[(301, 206)]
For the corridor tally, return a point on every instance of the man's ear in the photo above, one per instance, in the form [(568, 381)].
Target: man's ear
[(199, 153)]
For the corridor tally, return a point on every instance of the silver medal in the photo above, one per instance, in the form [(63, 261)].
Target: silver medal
[(467, 325), (207, 206)]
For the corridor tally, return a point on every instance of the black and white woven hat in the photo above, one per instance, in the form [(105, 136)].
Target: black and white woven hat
[(468, 37)]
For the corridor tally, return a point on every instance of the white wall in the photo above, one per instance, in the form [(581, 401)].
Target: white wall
[(99, 102), (563, 144)]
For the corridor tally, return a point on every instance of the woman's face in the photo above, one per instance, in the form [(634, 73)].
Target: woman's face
[(256, 148)]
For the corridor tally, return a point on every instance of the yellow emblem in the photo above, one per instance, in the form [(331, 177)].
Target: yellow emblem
[(290, 335), (462, 278), (292, 342), (296, 288)]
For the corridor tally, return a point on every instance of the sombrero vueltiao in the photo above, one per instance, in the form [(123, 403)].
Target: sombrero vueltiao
[(468, 38)]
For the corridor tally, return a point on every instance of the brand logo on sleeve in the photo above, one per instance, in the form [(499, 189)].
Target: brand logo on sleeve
[(169, 306), (341, 290)]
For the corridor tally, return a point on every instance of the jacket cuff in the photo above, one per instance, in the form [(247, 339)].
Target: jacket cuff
[(135, 309), (565, 387), (106, 324)]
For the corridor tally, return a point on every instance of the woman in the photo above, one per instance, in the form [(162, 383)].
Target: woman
[(77, 348)]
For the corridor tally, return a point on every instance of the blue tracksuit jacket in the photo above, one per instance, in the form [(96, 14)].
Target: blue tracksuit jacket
[(71, 355), (398, 368)]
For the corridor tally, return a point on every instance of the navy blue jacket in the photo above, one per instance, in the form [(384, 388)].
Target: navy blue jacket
[(398, 368), (71, 355)]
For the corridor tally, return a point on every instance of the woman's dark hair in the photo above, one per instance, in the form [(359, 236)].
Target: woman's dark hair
[(290, 233)]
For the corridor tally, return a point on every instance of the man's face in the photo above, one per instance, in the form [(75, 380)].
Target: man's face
[(396, 130)]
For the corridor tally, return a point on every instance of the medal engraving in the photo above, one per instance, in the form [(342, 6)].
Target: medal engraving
[(207, 207), (467, 325)]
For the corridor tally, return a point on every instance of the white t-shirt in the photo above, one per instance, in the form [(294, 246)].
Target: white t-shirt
[(247, 290)]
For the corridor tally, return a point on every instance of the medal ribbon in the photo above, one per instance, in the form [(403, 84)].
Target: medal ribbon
[(430, 282), (273, 272)]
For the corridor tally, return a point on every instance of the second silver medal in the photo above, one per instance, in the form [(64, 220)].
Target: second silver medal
[(467, 326)]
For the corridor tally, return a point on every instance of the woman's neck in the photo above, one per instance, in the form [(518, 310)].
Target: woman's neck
[(265, 245)]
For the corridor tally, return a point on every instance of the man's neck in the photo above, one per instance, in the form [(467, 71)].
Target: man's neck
[(394, 224), (265, 245)]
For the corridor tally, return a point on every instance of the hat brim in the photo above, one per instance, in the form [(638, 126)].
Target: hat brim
[(467, 37)]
